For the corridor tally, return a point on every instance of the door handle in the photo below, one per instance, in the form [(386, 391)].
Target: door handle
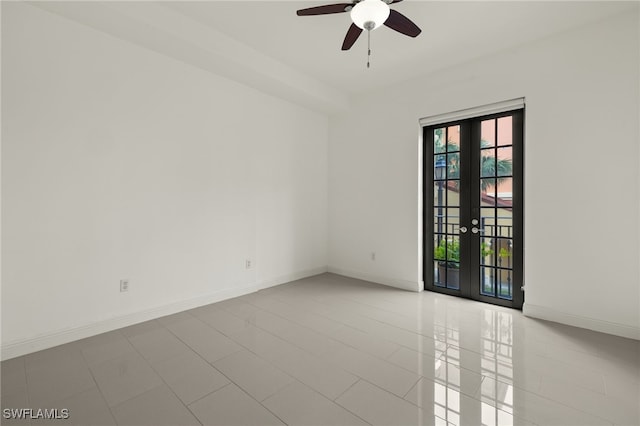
[(474, 230), (463, 229)]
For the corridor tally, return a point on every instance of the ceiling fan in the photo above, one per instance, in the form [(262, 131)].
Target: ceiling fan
[(366, 15)]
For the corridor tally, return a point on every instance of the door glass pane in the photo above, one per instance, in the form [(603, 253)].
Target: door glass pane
[(453, 220), (488, 192), (439, 167), (487, 281), (439, 141), (453, 138), (446, 255), (438, 220), (453, 261), (488, 133), (453, 193), (488, 162), (505, 130), (504, 252), (504, 194), (504, 163), (488, 222), (496, 260), (487, 252), (439, 275), (453, 166), (504, 224), (453, 275), (439, 194), (504, 283)]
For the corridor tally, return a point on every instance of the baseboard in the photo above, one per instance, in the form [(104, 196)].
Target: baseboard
[(391, 282), (541, 312), (25, 346), (291, 277)]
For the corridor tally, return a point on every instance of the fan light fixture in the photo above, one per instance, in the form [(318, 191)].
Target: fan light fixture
[(370, 14), (366, 15)]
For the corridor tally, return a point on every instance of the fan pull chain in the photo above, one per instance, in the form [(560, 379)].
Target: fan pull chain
[(368, 48)]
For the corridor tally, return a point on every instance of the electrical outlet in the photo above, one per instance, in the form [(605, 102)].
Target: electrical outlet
[(124, 286), (373, 256), (248, 264)]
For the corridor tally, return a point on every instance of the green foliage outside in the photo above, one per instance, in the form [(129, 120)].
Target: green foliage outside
[(448, 252), (489, 165)]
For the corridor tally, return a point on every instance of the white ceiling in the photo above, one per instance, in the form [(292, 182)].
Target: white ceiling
[(452, 32), (264, 44)]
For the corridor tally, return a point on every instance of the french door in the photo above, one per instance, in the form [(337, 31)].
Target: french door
[(473, 208)]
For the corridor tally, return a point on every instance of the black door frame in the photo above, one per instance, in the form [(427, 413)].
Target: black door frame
[(469, 243)]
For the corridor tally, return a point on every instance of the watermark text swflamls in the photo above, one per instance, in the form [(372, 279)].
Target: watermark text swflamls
[(35, 413)]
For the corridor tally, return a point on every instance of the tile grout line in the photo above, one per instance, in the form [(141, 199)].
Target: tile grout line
[(212, 392), (368, 318), (227, 377), (335, 400), (285, 295), (26, 383), (393, 353), (324, 334), (293, 377), (331, 362), (347, 389), (270, 363), (161, 378), (250, 396), (222, 373), (86, 364), (387, 392), (113, 416), (351, 372), (493, 403)]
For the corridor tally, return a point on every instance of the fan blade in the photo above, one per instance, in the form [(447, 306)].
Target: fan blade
[(397, 21), (352, 35), (324, 10)]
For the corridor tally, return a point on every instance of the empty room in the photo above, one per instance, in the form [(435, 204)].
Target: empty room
[(298, 212)]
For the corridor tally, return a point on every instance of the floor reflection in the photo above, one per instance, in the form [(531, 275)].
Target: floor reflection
[(475, 383), (497, 363)]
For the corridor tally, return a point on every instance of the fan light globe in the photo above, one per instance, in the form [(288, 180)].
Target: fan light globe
[(370, 14)]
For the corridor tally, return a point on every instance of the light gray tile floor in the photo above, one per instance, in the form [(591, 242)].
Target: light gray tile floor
[(329, 350)]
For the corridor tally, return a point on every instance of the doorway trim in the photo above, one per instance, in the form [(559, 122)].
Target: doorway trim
[(480, 112), (463, 114)]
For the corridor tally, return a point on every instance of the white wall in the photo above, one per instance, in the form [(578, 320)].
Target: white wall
[(121, 163), (581, 177), (118, 162)]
